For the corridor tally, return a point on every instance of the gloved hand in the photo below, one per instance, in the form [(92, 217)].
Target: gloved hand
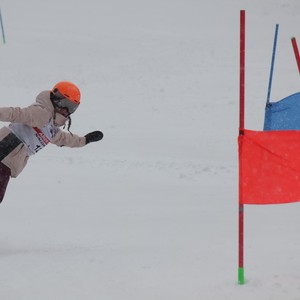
[(94, 136)]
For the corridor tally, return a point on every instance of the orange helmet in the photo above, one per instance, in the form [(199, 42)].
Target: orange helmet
[(69, 90), (66, 94)]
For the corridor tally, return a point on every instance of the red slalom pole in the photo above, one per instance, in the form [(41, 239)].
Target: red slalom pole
[(241, 277), (296, 51), (242, 70)]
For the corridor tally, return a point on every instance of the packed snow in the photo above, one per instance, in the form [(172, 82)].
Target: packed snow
[(151, 211)]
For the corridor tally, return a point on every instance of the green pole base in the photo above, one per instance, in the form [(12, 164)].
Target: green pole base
[(241, 276)]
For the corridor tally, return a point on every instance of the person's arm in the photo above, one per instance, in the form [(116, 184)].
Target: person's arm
[(34, 115), (67, 139)]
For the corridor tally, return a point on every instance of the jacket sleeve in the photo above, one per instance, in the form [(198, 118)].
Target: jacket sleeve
[(67, 139), (33, 115)]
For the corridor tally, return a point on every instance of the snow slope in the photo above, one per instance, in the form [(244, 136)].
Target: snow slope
[(150, 212)]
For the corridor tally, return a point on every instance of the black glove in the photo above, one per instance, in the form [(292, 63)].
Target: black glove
[(94, 136)]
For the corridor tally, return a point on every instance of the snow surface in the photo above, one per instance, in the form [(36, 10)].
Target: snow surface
[(150, 212)]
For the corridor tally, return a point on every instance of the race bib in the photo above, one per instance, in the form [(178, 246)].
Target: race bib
[(34, 138)]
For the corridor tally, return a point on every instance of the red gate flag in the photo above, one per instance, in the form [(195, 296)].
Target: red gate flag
[(269, 163)]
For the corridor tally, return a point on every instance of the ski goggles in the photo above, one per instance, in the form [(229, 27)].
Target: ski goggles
[(62, 102)]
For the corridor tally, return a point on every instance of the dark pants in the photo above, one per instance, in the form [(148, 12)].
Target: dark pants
[(4, 179)]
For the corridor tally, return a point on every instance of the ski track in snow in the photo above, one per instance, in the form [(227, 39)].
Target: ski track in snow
[(186, 170)]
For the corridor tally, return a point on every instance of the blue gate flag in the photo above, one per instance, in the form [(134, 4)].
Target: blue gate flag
[(284, 114)]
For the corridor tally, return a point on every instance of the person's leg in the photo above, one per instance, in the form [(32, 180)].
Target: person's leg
[(4, 179)]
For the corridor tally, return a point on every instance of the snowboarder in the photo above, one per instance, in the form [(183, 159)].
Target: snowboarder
[(33, 127)]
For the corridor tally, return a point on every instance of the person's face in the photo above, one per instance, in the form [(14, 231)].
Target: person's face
[(63, 111)]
